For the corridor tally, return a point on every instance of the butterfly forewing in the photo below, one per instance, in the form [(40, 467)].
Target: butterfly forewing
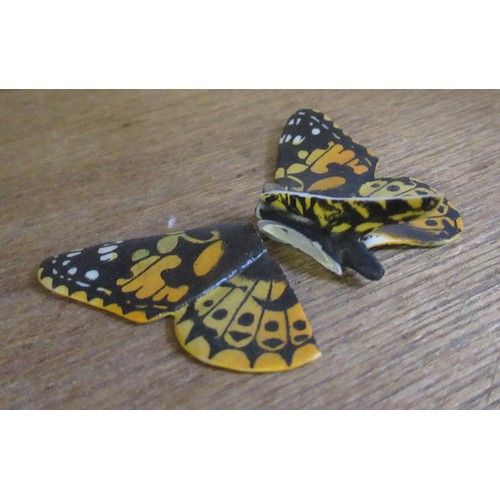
[(314, 155), (144, 279)]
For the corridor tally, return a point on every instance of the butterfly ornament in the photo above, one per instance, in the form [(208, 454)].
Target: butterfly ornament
[(231, 303), (326, 201)]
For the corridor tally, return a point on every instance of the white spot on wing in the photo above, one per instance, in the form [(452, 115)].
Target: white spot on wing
[(72, 271), (315, 131), (81, 283), (107, 249), (108, 257), (297, 139), (72, 254), (66, 262), (92, 275)]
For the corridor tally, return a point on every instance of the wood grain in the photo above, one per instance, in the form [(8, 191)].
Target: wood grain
[(81, 167)]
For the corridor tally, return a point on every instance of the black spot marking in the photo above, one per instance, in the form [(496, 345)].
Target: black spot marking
[(431, 222), (272, 326), (208, 303), (300, 338), (219, 314), (300, 324), (239, 336), (273, 342), (393, 188), (246, 319)]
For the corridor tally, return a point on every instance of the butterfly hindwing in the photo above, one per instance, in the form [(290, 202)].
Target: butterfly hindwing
[(253, 322), (314, 155), (442, 224), (437, 227), (147, 278)]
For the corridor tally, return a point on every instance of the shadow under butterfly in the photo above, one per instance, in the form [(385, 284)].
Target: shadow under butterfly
[(232, 304)]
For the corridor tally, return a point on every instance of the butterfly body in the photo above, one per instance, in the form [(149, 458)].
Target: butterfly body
[(333, 250)]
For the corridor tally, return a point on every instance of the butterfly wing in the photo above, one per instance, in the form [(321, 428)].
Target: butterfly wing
[(252, 323), (333, 232), (326, 202), (356, 214), (435, 227), (232, 304), (315, 156), (145, 279)]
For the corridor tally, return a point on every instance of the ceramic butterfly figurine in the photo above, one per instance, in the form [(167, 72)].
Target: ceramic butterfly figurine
[(326, 201), (231, 303)]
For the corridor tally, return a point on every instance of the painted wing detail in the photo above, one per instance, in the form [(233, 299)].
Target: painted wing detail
[(315, 156), (331, 230), (232, 304), (147, 278), (252, 323), (435, 227), (357, 214), (326, 201)]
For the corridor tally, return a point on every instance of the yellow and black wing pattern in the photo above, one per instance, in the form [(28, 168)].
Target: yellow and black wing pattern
[(437, 226), (197, 276), (251, 322), (326, 201), (315, 156)]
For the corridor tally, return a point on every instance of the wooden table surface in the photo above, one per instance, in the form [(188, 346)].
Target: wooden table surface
[(81, 167)]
